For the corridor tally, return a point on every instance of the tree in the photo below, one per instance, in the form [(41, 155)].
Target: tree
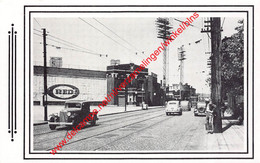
[(232, 51)]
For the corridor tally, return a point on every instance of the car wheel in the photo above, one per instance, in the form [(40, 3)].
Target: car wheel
[(93, 122), (180, 113), (52, 127), (74, 123), (195, 114), (167, 113)]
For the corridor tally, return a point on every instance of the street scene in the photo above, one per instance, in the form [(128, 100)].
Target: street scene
[(144, 130), (161, 83)]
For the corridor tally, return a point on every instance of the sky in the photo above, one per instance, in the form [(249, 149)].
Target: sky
[(137, 40)]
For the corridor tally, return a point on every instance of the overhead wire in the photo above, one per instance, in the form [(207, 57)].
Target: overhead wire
[(78, 50), (184, 21), (37, 22), (65, 48), (114, 33), (55, 40), (70, 43), (117, 35), (106, 35)]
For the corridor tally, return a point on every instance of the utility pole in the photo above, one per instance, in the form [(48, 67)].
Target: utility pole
[(181, 58), (214, 28), (45, 75)]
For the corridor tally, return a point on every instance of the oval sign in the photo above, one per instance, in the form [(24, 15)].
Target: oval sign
[(63, 91)]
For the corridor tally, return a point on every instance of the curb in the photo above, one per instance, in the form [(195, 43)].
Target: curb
[(155, 107), (129, 111), (40, 123)]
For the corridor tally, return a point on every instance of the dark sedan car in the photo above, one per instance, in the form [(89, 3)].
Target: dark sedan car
[(200, 109), (73, 113)]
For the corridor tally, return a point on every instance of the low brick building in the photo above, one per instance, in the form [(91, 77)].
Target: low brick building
[(91, 85)]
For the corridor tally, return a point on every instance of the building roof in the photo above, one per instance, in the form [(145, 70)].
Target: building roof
[(38, 70), (130, 67)]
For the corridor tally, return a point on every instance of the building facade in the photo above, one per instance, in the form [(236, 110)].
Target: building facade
[(143, 89), (155, 91), (78, 84), (135, 92), (180, 91), (64, 84)]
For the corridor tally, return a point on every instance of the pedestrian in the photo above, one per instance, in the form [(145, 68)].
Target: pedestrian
[(210, 111)]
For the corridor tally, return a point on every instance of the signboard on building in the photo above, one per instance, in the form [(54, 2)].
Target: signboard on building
[(56, 62), (63, 91)]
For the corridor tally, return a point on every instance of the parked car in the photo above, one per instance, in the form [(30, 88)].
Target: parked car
[(186, 105), (73, 113), (200, 109), (173, 107)]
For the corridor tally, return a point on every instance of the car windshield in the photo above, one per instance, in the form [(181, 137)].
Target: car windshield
[(201, 104), (173, 103), (73, 106)]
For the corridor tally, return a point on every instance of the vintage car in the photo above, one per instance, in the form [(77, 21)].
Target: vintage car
[(173, 107), (200, 109), (186, 105), (73, 113)]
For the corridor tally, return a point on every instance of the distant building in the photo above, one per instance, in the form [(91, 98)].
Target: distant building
[(144, 88), (155, 92), (177, 91)]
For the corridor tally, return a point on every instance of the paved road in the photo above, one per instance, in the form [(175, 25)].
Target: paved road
[(145, 130)]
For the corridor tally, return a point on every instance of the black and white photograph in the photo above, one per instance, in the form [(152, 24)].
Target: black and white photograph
[(132, 82), (156, 82)]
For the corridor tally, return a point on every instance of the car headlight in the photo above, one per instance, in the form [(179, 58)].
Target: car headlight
[(69, 114)]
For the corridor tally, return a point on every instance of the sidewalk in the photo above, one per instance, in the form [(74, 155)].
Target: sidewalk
[(108, 110), (231, 139)]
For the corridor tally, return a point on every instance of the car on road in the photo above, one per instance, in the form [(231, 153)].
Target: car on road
[(186, 105), (200, 109), (72, 114), (173, 107)]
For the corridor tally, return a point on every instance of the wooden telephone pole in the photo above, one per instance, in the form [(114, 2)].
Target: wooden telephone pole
[(45, 75), (214, 27)]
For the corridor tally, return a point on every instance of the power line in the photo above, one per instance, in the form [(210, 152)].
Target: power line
[(65, 41), (115, 33), (104, 34), (184, 22), (69, 42), (56, 41), (59, 47), (37, 30), (37, 22)]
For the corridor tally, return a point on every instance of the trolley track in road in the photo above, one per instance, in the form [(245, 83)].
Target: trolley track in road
[(107, 120), (117, 128), (94, 128), (127, 135)]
